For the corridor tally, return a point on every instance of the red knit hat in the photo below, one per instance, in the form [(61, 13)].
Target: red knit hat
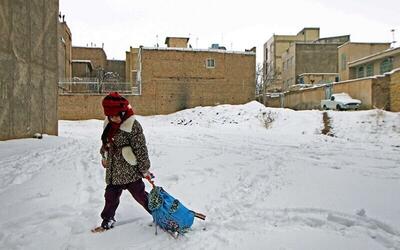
[(114, 104)]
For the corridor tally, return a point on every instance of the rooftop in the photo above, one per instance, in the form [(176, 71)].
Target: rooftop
[(200, 50)]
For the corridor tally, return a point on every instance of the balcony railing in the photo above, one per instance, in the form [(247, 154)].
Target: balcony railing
[(92, 87)]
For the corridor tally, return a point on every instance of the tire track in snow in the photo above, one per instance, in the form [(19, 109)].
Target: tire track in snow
[(331, 220), (17, 170), (73, 162)]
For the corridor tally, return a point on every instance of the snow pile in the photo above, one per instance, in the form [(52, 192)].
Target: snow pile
[(372, 126), (265, 178), (252, 115)]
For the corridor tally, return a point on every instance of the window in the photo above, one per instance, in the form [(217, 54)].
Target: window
[(386, 65), (210, 63), (370, 70), (360, 72), (343, 61)]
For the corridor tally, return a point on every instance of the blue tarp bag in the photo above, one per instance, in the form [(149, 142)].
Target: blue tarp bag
[(169, 213)]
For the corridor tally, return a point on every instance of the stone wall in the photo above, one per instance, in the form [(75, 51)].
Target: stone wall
[(395, 91), (28, 68)]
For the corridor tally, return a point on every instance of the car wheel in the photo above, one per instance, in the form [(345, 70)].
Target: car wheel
[(324, 107), (338, 107)]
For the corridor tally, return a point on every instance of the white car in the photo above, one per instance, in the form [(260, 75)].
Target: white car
[(341, 101)]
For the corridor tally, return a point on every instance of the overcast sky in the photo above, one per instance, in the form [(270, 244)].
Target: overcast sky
[(237, 25)]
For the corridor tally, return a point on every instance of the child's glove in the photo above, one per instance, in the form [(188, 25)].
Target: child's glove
[(148, 175)]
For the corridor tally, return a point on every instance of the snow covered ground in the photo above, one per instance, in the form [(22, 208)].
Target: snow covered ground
[(266, 179)]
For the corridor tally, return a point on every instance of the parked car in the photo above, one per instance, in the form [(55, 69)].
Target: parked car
[(340, 101)]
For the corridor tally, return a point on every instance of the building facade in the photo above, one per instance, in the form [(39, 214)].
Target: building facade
[(82, 68), (309, 59), (97, 57), (273, 50), (375, 64), (351, 51), (64, 51), (97, 66)]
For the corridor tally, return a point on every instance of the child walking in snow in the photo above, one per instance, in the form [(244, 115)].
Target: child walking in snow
[(124, 156)]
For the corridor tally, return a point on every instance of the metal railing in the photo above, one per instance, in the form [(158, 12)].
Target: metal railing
[(79, 87)]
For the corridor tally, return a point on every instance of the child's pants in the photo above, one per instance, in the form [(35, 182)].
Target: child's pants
[(113, 192)]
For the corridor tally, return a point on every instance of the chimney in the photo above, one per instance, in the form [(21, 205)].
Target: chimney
[(177, 42)]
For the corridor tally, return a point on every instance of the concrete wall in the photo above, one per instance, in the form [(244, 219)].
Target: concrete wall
[(28, 68)]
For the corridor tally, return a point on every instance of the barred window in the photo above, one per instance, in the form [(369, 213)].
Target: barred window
[(386, 65), (210, 63), (360, 72), (370, 70)]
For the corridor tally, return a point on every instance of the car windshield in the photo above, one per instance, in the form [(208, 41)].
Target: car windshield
[(342, 97)]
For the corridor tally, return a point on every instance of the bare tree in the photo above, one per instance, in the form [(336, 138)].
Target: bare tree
[(259, 79), (268, 77)]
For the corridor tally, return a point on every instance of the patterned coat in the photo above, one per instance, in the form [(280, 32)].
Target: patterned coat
[(127, 158)]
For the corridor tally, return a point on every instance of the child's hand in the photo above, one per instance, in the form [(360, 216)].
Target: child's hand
[(104, 163)]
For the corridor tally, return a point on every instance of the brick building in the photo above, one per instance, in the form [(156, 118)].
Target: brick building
[(97, 63), (176, 78), (64, 50)]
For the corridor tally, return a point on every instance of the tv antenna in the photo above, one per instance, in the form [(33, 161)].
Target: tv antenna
[(393, 37)]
